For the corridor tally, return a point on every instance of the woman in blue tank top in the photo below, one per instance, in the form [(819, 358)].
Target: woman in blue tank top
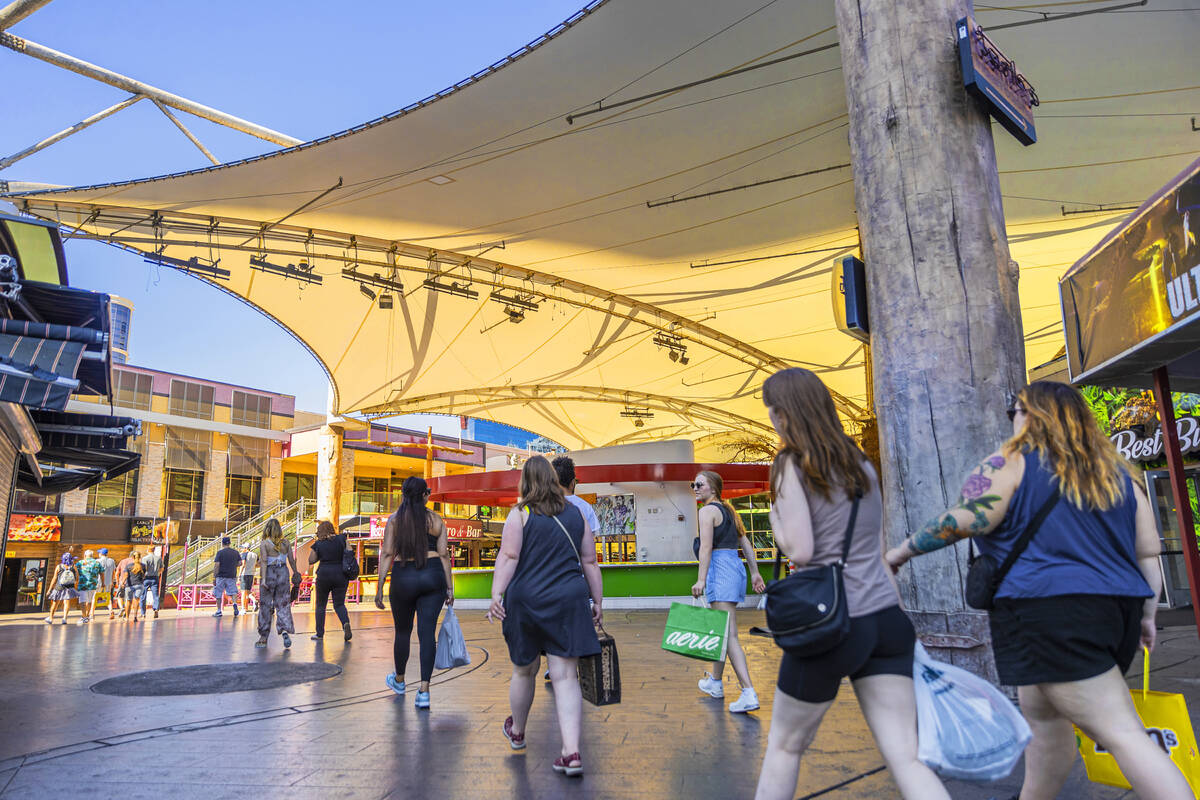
[(1072, 611)]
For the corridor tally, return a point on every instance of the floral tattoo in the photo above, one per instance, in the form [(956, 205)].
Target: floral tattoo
[(976, 500)]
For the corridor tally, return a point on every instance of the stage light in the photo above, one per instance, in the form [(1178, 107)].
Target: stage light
[(671, 354), (192, 264), (455, 289), (367, 293), (514, 315), (373, 280), (385, 301), (523, 302), (302, 272)]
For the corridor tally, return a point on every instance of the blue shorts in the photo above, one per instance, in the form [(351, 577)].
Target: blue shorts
[(726, 580), (226, 586)]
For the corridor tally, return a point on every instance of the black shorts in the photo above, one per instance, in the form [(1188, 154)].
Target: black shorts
[(878, 644), (247, 583), (1061, 639)]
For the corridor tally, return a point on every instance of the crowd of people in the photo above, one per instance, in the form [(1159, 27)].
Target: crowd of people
[(131, 587), (1067, 619)]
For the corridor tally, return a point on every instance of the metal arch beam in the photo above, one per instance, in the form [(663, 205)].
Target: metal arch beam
[(428, 261), (89, 70), (18, 10), (65, 132), (452, 402)]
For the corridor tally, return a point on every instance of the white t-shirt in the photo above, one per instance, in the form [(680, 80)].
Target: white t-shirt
[(110, 567), (588, 512), (249, 562)]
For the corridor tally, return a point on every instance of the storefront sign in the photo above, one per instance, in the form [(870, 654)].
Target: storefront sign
[(1150, 448), (146, 530), (460, 529), (994, 79), (378, 525), (34, 528)]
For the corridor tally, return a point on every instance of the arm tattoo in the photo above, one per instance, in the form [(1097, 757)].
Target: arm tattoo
[(975, 500)]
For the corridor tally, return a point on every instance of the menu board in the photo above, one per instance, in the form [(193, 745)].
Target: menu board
[(147, 530), (34, 528)]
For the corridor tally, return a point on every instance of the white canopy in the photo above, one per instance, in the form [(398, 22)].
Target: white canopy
[(701, 221)]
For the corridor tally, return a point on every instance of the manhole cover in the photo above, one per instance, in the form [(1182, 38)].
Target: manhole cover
[(215, 678)]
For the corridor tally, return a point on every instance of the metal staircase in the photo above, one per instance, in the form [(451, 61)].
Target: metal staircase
[(297, 518)]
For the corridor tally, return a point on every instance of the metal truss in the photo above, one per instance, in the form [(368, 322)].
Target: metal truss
[(155, 232)]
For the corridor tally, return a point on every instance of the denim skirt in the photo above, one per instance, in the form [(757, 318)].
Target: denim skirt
[(726, 581)]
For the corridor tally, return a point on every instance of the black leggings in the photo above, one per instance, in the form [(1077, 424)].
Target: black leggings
[(421, 591), (331, 584)]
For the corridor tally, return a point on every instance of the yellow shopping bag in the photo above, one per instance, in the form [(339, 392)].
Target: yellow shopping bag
[(1166, 719)]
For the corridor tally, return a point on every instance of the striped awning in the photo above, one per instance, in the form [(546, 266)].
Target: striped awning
[(38, 372)]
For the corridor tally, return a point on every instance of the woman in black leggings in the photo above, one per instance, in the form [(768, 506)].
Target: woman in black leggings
[(414, 547), (326, 553)]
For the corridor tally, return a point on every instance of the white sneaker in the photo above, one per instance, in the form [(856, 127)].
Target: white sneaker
[(747, 702), (712, 687)]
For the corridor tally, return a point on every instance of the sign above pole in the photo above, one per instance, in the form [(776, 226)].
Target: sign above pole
[(994, 79)]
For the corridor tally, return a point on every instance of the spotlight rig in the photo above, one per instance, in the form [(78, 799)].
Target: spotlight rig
[(638, 415), (453, 288), (193, 264), (676, 349), (302, 272)]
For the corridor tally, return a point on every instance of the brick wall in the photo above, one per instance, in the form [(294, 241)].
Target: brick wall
[(74, 502), (272, 484), (214, 486), (150, 477)]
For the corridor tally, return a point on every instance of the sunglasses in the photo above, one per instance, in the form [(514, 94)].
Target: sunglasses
[(1013, 411), (698, 485)]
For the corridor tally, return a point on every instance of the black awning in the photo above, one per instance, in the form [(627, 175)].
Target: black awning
[(85, 469), (38, 372), (84, 431), (72, 308)]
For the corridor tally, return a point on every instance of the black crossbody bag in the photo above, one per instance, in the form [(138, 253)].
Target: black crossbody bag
[(806, 611), (983, 578)]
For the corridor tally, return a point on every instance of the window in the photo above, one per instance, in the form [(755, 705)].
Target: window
[(191, 400), (296, 486), (31, 503), (251, 409), (117, 496), (132, 389), (242, 496), (182, 494), (249, 456), (187, 449), (371, 484)]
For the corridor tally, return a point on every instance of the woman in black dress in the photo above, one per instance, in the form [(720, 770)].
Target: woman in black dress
[(327, 553), (544, 575)]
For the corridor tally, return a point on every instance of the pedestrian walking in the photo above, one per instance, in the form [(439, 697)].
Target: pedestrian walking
[(135, 584), (106, 583), (151, 569), (1080, 600), (722, 581), (326, 553), (248, 569), (63, 587), (88, 576), (275, 584), (544, 574), (414, 550), (815, 478), (225, 576), (564, 468)]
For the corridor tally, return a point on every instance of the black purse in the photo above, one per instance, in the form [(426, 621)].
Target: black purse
[(806, 611), (600, 675), (983, 577), (349, 561)]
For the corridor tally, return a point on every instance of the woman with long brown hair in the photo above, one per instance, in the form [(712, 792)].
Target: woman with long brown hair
[(722, 581), (326, 553), (1070, 614), (822, 483), (544, 575), (414, 547)]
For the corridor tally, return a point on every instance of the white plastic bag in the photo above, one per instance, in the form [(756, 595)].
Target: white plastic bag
[(966, 728), (451, 645)]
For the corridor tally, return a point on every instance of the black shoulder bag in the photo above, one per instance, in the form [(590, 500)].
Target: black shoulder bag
[(806, 611), (983, 578), (349, 561)]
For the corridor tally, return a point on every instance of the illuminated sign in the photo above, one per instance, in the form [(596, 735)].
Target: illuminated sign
[(34, 528), (153, 531), (378, 524), (994, 79)]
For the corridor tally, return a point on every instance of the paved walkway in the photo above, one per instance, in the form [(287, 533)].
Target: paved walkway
[(346, 737)]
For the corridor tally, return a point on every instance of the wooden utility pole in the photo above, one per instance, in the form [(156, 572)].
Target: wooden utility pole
[(946, 344)]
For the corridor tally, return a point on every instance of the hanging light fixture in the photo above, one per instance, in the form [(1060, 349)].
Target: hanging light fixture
[(302, 272)]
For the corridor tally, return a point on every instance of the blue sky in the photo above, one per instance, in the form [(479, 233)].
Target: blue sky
[(302, 67)]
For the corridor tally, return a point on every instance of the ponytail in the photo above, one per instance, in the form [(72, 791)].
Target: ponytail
[(718, 485)]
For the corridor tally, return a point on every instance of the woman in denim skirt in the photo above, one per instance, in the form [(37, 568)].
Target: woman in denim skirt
[(722, 581)]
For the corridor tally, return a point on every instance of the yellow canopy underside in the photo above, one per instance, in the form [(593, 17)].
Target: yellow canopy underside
[(569, 217)]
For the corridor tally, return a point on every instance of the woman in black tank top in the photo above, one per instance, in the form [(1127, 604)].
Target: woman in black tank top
[(414, 549)]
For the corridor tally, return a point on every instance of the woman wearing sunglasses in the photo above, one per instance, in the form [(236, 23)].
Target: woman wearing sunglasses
[(1071, 613), (722, 581)]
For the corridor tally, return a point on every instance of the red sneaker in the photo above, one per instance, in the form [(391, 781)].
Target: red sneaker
[(569, 765), (516, 740)]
